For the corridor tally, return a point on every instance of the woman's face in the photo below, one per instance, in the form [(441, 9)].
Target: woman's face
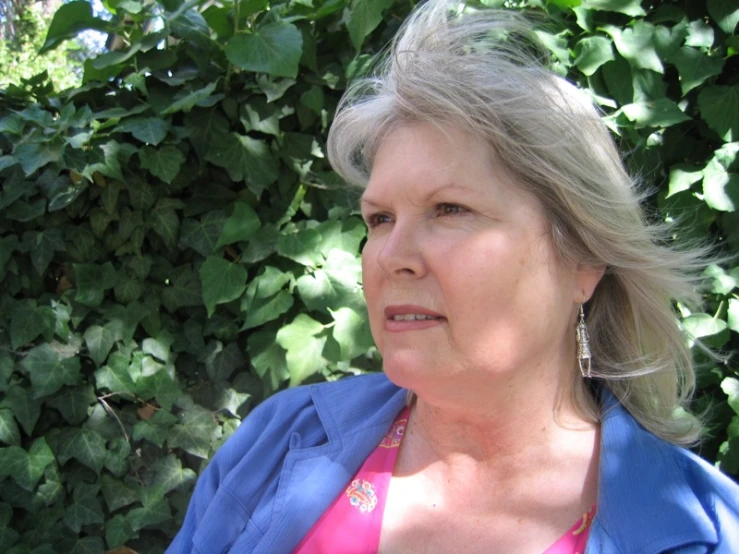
[(460, 276)]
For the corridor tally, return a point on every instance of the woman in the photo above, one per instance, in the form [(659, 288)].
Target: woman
[(532, 363)]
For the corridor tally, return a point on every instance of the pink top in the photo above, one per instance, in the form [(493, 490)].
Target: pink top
[(352, 524)]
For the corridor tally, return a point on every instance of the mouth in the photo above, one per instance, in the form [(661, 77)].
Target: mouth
[(413, 317), (411, 313)]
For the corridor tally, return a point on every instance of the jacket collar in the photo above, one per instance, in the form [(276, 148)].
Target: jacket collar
[(645, 503), (355, 418)]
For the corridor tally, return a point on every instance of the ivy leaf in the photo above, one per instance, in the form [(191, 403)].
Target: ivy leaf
[(24, 406), (68, 21), (156, 429), (149, 130), (659, 113), (591, 53), (221, 362), (333, 286), (73, 403), (302, 247), (28, 321), (274, 49), (700, 34), (116, 493), (118, 531), (84, 445), (92, 281), (24, 211), (49, 372), (159, 386), (303, 346), (725, 14), (636, 44), (719, 108), (9, 432), (115, 376), (189, 100), (222, 282), (195, 433), (694, 67), (170, 475), (627, 7), (709, 329), (140, 193), (364, 17), (85, 509), (100, 339), (33, 156), (41, 246), (682, 177), (730, 386), (240, 226), (153, 513), (720, 188), (26, 468), (164, 162), (351, 332), (268, 358), (733, 315), (244, 158), (202, 236), (260, 311), (183, 291)]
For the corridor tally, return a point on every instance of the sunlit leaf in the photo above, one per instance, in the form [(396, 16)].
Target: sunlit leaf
[(274, 48)]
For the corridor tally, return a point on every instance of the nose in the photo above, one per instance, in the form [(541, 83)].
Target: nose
[(401, 255)]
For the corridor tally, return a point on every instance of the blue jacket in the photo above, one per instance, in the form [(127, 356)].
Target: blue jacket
[(287, 462)]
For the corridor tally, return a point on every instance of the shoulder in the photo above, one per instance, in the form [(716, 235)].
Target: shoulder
[(313, 412), (657, 493)]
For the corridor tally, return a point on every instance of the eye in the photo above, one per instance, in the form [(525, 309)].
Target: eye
[(374, 220), (446, 208)]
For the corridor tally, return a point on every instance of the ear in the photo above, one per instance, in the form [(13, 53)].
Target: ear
[(587, 278)]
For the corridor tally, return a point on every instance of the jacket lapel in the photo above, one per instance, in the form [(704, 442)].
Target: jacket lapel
[(314, 475)]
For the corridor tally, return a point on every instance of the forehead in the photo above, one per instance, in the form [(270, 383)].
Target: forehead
[(423, 157)]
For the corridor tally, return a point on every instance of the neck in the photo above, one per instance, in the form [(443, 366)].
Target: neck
[(505, 420)]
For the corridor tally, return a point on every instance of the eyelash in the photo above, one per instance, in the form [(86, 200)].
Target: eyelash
[(443, 209)]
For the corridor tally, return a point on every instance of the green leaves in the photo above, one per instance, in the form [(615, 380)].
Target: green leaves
[(591, 53), (636, 44), (364, 17), (70, 19), (240, 226), (719, 108), (164, 163), (48, 371), (303, 341), (26, 468), (244, 158), (222, 282), (274, 49)]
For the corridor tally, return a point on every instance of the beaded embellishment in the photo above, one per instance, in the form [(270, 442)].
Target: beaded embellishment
[(394, 435), (362, 495)]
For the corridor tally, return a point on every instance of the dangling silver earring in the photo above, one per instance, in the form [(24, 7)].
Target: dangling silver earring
[(583, 346)]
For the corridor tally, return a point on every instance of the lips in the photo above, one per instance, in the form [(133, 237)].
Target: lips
[(411, 318), (410, 312)]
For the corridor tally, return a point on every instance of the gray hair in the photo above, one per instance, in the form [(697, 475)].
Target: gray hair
[(482, 71)]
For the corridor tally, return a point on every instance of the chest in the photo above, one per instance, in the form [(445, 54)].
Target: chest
[(420, 518)]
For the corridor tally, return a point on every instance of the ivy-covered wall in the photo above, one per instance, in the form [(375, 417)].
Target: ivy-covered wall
[(174, 247)]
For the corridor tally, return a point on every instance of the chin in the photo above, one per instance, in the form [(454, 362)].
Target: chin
[(405, 371)]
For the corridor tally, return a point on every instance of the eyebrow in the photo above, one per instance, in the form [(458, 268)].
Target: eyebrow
[(364, 200)]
